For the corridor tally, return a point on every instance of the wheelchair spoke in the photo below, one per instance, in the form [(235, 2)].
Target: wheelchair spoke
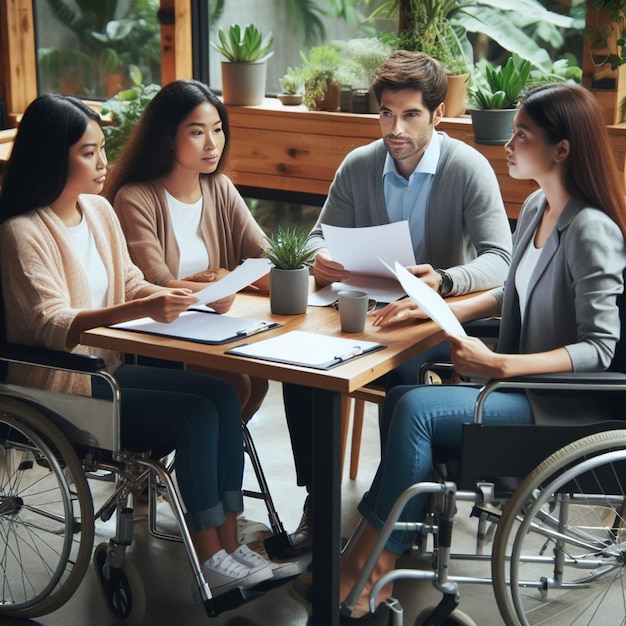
[(564, 541), (46, 513)]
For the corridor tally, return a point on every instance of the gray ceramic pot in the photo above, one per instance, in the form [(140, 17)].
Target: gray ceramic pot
[(289, 290), (492, 126)]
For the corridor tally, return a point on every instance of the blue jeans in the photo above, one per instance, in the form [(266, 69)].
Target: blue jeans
[(414, 421), (199, 417)]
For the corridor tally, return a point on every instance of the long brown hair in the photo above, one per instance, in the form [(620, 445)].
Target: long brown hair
[(572, 112), (148, 152)]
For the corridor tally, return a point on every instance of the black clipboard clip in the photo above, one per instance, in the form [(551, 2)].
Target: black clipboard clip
[(346, 356), (259, 327)]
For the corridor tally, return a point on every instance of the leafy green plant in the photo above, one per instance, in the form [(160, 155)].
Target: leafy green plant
[(447, 24), (123, 111), (293, 81), (499, 87), (244, 45), (288, 249), (369, 54), (323, 65)]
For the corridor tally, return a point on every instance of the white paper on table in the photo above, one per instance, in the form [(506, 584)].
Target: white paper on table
[(429, 301), (307, 349), (379, 289), (357, 249), (242, 276)]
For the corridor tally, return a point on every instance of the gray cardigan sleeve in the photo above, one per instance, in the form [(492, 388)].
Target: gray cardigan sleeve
[(468, 230)]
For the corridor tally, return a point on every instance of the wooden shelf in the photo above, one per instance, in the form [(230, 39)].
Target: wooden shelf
[(293, 149)]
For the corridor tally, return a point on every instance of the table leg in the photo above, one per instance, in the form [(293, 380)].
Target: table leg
[(326, 498)]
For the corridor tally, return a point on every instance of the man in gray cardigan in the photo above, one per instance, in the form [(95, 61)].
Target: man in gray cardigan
[(446, 190)]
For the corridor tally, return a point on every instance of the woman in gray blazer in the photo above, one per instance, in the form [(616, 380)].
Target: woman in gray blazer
[(559, 308)]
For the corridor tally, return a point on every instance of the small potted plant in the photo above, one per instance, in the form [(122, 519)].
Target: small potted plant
[(291, 257), (369, 54), (245, 70), (292, 84), (495, 93), (323, 78)]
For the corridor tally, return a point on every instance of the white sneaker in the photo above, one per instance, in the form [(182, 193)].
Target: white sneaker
[(250, 558), (281, 569), (222, 572)]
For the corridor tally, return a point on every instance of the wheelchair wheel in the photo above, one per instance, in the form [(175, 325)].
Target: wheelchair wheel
[(46, 513), (456, 618), (562, 538), (121, 587)]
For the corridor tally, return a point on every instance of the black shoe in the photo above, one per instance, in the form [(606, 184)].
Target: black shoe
[(301, 540)]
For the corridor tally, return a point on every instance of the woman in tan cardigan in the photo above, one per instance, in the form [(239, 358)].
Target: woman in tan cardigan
[(185, 222), (65, 269)]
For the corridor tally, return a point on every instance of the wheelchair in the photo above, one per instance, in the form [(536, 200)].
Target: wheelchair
[(50, 444), (556, 515)]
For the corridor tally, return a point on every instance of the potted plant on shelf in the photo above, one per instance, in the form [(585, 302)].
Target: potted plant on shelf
[(323, 77), (289, 277), (369, 54), (425, 27), (292, 84), (245, 70), (495, 92)]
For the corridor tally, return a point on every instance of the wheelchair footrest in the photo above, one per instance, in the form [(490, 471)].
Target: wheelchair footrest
[(277, 544), (228, 601)]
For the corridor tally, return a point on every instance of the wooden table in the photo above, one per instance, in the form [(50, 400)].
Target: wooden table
[(403, 343)]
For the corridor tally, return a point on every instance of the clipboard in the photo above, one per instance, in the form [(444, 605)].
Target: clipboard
[(200, 327), (306, 349)]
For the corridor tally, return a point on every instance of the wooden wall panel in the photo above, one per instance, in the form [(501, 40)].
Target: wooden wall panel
[(17, 37)]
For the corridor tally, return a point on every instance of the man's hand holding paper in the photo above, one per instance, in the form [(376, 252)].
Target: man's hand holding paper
[(350, 261)]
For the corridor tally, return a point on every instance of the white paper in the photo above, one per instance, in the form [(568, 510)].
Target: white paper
[(298, 347), (379, 289), (357, 249), (429, 301), (242, 276)]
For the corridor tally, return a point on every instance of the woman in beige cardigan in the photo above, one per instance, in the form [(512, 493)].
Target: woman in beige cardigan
[(185, 222), (66, 269)]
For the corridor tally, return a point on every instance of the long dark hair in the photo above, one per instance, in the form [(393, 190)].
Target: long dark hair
[(37, 170), (572, 112), (148, 152)]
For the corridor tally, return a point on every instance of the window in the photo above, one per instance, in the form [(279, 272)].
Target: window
[(91, 54)]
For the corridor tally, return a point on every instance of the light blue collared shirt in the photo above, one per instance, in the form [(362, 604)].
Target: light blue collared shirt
[(408, 199)]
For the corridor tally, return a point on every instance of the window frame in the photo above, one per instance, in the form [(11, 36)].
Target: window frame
[(18, 72)]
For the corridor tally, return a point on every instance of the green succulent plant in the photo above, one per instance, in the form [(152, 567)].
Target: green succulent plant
[(293, 81), (288, 249), (499, 87), (244, 45)]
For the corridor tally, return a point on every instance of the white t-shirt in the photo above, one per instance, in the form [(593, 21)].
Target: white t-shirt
[(523, 273), (194, 256), (84, 245)]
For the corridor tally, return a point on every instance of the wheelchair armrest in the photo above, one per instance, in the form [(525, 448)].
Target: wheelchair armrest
[(484, 328), (34, 355), (577, 381)]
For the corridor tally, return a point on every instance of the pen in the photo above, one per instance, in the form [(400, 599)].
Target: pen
[(356, 351), (252, 330)]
